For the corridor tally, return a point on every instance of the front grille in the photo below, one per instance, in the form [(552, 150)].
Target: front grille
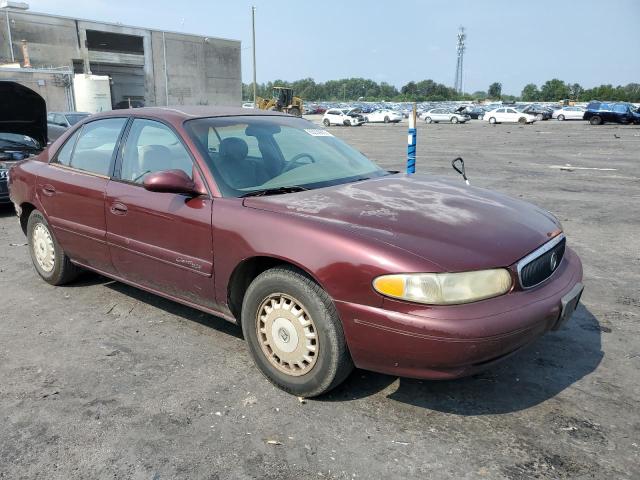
[(540, 265)]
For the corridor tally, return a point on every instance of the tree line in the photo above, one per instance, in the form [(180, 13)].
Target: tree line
[(350, 89)]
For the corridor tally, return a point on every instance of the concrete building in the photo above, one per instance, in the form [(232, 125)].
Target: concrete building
[(44, 51)]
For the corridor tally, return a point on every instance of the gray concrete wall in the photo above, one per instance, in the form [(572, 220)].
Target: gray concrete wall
[(200, 70)]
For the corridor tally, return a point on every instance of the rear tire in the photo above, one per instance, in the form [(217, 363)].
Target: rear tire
[(596, 120), (326, 122), (347, 123), (294, 333), (539, 117), (295, 111), (522, 120), (48, 257), (561, 118), (366, 119), (386, 119)]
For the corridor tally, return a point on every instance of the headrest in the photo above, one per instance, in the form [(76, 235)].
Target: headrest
[(234, 148)]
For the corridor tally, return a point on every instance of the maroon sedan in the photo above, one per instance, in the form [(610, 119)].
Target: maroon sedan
[(325, 259)]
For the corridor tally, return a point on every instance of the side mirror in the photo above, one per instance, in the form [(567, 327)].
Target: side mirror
[(170, 181)]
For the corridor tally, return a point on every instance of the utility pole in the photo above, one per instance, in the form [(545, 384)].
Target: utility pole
[(253, 26), (460, 49)]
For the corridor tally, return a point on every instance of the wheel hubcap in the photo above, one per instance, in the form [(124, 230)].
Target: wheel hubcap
[(43, 247), (287, 334)]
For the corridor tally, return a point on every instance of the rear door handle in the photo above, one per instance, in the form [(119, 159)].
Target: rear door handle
[(118, 208), (48, 190)]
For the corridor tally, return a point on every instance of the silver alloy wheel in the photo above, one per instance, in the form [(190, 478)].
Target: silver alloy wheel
[(43, 249), (287, 334)]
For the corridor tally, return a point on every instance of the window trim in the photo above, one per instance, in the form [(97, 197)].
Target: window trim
[(117, 170), (54, 161)]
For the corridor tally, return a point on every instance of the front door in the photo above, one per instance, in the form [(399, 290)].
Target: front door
[(72, 188), (162, 241)]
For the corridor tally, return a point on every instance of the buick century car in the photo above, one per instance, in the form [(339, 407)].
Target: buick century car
[(326, 260)]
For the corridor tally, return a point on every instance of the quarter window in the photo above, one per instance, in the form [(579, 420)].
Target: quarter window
[(94, 149), (152, 147), (64, 154)]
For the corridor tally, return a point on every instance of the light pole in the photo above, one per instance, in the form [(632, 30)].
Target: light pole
[(253, 27)]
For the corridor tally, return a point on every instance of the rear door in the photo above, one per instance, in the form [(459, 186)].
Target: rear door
[(162, 241), (71, 189)]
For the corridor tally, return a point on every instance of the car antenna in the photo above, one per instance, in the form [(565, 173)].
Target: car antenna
[(460, 169)]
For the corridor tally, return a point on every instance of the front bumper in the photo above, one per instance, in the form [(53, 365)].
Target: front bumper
[(454, 341), (4, 191)]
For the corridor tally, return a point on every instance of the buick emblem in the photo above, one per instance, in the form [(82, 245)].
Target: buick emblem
[(553, 261)]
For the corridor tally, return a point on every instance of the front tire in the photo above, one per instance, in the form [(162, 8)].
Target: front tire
[(522, 120), (561, 118), (386, 119), (326, 122), (48, 257), (427, 120), (294, 334), (492, 121), (295, 111), (539, 117), (454, 120)]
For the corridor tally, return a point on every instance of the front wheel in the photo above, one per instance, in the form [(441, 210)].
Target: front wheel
[(492, 121), (295, 111), (454, 120), (522, 120), (386, 119), (428, 120), (561, 118), (294, 334), (539, 117), (48, 257), (326, 122)]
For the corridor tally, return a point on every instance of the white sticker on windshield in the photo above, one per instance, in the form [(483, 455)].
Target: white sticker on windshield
[(317, 132)]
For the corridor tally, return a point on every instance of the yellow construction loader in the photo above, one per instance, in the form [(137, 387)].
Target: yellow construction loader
[(281, 101)]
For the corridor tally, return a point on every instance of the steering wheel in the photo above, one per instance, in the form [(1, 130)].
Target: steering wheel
[(295, 161)]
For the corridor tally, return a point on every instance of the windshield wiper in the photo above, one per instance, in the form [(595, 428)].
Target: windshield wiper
[(275, 191)]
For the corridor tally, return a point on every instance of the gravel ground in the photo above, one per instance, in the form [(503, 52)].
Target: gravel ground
[(100, 380)]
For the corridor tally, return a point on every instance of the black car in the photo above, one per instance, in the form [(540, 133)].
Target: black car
[(598, 113), (477, 113), (23, 128), (538, 111)]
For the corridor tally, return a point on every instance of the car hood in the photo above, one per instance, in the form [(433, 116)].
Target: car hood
[(452, 225), (23, 111)]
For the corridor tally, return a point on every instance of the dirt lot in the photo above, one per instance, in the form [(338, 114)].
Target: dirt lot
[(99, 380)]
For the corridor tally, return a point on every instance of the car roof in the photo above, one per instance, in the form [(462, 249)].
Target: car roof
[(181, 113)]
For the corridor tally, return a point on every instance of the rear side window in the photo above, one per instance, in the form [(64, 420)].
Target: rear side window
[(94, 149), (64, 154), (620, 108)]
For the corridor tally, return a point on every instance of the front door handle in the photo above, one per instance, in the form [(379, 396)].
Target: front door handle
[(48, 190), (118, 208)]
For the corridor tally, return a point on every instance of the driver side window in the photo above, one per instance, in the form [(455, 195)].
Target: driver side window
[(152, 147)]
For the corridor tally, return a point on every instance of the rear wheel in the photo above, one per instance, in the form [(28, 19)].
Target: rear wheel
[(386, 119), (326, 122), (366, 119), (492, 120), (595, 120), (522, 120), (294, 333), (561, 117), (454, 120), (48, 257), (539, 117), (295, 111), (347, 123), (428, 119)]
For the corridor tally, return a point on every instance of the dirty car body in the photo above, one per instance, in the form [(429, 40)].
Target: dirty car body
[(213, 207)]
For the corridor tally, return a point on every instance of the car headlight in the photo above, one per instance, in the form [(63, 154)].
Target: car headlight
[(445, 288)]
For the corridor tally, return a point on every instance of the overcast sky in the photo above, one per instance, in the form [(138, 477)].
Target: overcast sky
[(514, 42)]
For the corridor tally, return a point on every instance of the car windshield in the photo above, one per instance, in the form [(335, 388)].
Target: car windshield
[(17, 140), (252, 153), (74, 118)]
